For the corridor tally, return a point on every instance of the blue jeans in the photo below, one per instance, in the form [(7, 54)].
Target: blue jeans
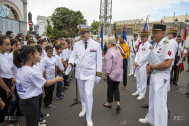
[(59, 86), (15, 105)]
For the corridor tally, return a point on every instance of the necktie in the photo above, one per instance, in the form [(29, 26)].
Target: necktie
[(85, 45)]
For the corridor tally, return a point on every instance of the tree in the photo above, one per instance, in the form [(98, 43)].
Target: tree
[(65, 22), (49, 29), (95, 26)]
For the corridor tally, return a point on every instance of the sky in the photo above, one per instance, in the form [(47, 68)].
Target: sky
[(121, 9)]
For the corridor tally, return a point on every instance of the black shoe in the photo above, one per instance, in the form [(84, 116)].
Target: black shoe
[(187, 70), (187, 93), (67, 84), (144, 106), (118, 109), (107, 106), (65, 88)]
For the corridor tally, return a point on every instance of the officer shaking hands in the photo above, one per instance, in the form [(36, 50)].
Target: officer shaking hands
[(87, 56)]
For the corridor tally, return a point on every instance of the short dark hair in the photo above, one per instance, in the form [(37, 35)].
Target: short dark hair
[(30, 41), (38, 37), (48, 47), (8, 32), (58, 47), (178, 36), (175, 35), (2, 38), (38, 47)]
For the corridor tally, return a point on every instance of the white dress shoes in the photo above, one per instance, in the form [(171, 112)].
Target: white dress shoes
[(89, 123), (145, 122), (135, 94), (140, 97), (82, 113)]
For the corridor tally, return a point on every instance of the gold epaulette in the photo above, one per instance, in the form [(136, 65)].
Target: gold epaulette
[(99, 74), (165, 41)]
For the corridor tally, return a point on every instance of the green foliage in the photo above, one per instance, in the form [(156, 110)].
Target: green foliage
[(49, 29), (65, 22), (95, 26)]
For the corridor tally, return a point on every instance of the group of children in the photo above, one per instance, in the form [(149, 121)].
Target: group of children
[(31, 72)]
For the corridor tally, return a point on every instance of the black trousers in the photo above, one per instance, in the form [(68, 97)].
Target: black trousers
[(125, 62), (48, 95), (175, 74), (30, 109), (4, 111), (113, 90)]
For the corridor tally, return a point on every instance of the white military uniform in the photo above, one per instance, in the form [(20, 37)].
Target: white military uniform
[(88, 63), (175, 45), (133, 45), (158, 113), (142, 59)]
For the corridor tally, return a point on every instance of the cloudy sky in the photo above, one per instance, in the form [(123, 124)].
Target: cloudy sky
[(121, 10)]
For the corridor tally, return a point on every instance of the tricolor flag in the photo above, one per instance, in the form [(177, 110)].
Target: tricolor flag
[(124, 33), (162, 21), (101, 35)]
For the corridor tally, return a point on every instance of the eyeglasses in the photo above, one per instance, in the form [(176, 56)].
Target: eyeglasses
[(179, 39), (81, 33)]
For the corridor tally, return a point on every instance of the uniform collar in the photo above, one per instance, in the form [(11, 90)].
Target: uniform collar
[(161, 42), (87, 40)]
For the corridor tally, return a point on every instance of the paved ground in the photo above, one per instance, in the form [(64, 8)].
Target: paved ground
[(64, 115)]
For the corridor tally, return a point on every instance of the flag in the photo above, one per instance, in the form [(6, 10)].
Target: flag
[(124, 33), (184, 38), (101, 35), (146, 27), (184, 35), (162, 21)]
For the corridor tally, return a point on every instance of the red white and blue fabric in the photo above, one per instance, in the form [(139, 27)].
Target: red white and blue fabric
[(121, 48)]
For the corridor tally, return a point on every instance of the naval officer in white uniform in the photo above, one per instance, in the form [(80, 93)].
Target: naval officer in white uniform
[(141, 60), (87, 56)]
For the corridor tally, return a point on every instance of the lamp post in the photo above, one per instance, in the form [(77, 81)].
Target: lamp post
[(176, 20)]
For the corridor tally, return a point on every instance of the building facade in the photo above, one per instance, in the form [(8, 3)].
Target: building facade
[(39, 28), (13, 16)]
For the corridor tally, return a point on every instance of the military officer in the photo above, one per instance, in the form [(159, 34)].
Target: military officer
[(141, 60), (87, 57), (133, 45), (172, 35), (164, 51)]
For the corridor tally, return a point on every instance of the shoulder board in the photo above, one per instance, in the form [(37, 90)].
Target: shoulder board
[(165, 41)]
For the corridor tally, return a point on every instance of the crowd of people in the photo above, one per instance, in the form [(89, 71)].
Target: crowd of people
[(39, 65), (30, 69)]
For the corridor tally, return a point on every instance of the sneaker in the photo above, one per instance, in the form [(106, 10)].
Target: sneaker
[(145, 122), (60, 98), (53, 103), (51, 106), (44, 115), (42, 121), (140, 97), (135, 94)]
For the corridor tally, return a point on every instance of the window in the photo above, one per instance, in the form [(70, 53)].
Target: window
[(7, 12)]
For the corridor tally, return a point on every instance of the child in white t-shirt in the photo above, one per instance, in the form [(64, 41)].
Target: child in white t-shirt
[(29, 83), (60, 72), (6, 86), (49, 63)]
